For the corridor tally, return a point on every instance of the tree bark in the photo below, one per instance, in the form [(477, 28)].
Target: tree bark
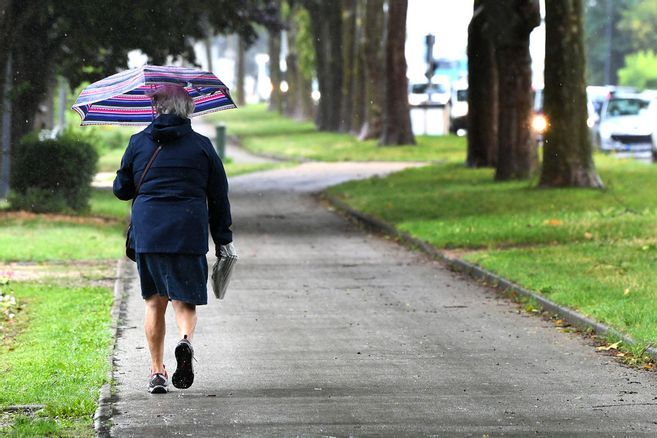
[(358, 94), (326, 24), (373, 69), (513, 22), (276, 98), (306, 62), (567, 152), (348, 54), (240, 93), (482, 92), (396, 128), (291, 61)]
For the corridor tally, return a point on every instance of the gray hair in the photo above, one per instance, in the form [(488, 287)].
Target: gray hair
[(172, 99)]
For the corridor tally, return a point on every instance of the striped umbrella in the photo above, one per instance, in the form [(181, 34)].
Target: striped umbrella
[(123, 98)]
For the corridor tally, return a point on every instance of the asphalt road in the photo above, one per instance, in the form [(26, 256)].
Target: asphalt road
[(329, 331)]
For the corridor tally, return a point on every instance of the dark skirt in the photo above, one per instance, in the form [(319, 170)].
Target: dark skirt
[(181, 277)]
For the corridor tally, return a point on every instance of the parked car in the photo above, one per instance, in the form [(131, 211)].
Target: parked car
[(458, 109), (625, 124), (540, 122), (435, 93)]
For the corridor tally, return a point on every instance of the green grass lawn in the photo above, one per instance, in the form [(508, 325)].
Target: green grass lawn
[(54, 353), (592, 250), (42, 238), (262, 131), (58, 359)]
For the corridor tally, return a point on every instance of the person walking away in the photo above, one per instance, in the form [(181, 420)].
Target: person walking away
[(183, 191)]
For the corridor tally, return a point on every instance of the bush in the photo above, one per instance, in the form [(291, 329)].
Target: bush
[(640, 70), (52, 175)]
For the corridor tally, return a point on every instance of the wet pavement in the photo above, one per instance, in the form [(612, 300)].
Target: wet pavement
[(327, 330)]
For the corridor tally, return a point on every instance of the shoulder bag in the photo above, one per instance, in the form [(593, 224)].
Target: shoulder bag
[(129, 251)]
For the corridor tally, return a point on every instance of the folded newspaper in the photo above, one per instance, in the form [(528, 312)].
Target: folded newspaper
[(223, 269)]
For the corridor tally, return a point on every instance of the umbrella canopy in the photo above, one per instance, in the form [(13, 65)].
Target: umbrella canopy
[(124, 98)]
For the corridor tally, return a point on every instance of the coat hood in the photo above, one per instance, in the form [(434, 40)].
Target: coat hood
[(168, 127)]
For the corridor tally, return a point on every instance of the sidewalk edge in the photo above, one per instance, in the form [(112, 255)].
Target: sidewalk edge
[(479, 273), (103, 413)]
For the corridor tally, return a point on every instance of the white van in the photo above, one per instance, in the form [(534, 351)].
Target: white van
[(458, 111)]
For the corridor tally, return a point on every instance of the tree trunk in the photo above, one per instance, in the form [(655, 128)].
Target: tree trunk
[(6, 121), (325, 18), (291, 60), (208, 49), (306, 63), (513, 22), (240, 93), (6, 70), (567, 160), (276, 98), (396, 128), (482, 92), (373, 69), (358, 94), (349, 42)]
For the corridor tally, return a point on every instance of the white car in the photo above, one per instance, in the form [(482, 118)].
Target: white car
[(625, 124)]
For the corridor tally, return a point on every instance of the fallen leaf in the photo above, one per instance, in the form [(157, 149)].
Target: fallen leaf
[(588, 236), (613, 346), (626, 291), (553, 222)]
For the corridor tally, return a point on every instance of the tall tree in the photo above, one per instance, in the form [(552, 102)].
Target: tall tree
[(396, 128), (326, 25), (349, 47), (291, 97), (358, 94), (306, 61), (240, 72), (567, 159), (373, 28), (87, 40), (511, 23), (482, 91), (276, 98)]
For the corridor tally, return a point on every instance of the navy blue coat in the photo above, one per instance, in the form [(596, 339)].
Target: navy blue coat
[(185, 189)]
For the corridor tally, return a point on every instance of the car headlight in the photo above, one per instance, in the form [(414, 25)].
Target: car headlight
[(539, 123)]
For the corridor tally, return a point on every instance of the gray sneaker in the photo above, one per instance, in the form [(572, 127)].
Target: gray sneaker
[(183, 377), (158, 383)]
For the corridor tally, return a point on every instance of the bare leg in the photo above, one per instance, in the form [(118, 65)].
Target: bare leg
[(155, 329), (185, 318)]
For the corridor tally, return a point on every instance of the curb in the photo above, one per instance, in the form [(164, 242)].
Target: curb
[(572, 317), (103, 413)]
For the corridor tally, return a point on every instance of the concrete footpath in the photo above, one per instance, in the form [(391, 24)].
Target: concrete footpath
[(329, 331)]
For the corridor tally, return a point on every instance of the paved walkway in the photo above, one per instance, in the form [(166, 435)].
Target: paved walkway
[(329, 331)]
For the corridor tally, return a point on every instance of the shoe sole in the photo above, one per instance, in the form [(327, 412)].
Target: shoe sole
[(184, 375), (158, 389)]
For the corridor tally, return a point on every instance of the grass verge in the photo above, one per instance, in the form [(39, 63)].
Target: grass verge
[(55, 339), (31, 237), (591, 250), (58, 360)]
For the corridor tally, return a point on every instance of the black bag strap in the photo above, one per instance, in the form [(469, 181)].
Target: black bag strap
[(146, 169)]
